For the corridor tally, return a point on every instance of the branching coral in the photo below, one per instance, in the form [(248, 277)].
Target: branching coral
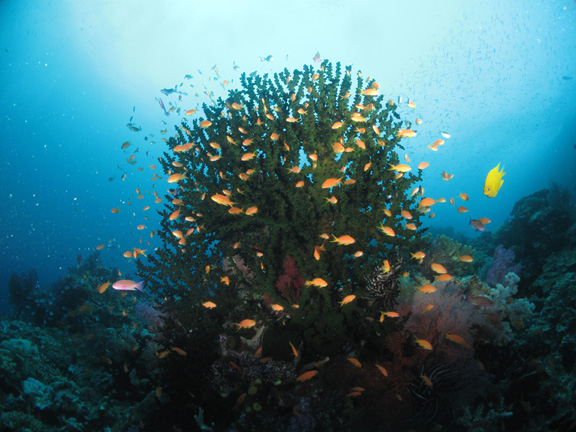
[(280, 168)]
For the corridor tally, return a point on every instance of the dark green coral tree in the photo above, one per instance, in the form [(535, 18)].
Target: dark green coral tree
[(268, 149)]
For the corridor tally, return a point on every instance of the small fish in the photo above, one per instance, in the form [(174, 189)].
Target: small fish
[(247, 323), (424, 344), (205, 123), (481, 301), (179, 351), (268, 58), (446, 176), (462, 209), (251, 210), (427, 202), (389, 315), (438, 268), (222, 200), (382, 369), (209, 305), (423, 165), (317, 58), (427, 289), (103, 287), (418, 255), (294, 350), (463, 196), (175, 178), (331, 182), (128, 285), (354, 361), (370, 92), (319, 282), (386, 266), (457, 339), (387, 230), (444, 277), (343, 240), (277, 307), (403, 168), (466, 258), (494, 181), (307, 375), (476, 224), (347, 299), (405, 133)]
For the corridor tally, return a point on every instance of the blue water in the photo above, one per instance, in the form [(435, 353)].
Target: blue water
[(500, 77)]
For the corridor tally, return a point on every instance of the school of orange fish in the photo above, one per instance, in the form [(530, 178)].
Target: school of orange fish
[(492, 185)]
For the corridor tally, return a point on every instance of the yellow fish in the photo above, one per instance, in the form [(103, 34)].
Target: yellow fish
[(494, 181)]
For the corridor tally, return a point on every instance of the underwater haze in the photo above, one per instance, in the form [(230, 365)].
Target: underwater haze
[(92, 99)]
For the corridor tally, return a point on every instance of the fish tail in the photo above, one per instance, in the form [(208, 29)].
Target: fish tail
[(139, 286)]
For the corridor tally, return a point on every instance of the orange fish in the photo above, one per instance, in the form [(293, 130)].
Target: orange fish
[(337, 125), (462, 209), (370, 92), (247, 156), (115, 210), (466, 258), (205, 123), (103, 287), (389, 315), (174, 214), (343, 240), (179, 351), (427, 289), (100, 247), (438, 268), (382, 369), (427, 202), (406, 214), (403, 168), (411, 227), (321, 283), (424, 344), (464, 196), (354, 361), (247, 323), (386, 266), (418, 255), (294, 350), (175, 178), (405, 133), (444, 277), (387, 230), (222, 199), (307, 375), (209, 305), (347, 299), (457, 339), (251, 211), (190, 112), (331, 182), (277, 307), (446, 176)]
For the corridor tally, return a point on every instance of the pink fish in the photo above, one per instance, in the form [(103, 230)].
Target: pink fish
[(481, 301), (476, 223), (128, 285)]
